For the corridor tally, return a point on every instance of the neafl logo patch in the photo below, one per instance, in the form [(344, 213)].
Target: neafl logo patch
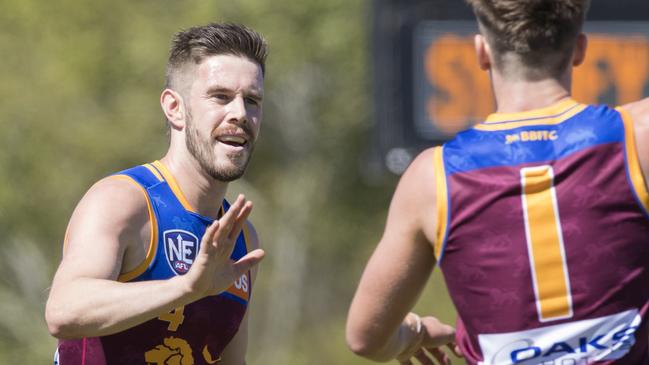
[(181, 248)]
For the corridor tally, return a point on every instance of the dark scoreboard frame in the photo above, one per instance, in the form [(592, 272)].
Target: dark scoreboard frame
[(397, 139)]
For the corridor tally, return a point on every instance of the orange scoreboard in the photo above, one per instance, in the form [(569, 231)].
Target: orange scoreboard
[(428, 85)]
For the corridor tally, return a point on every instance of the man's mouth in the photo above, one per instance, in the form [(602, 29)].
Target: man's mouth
[(233, 140)]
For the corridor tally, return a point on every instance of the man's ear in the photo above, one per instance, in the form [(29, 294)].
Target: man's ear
[(483, 52), (173, 106), (579, 54)]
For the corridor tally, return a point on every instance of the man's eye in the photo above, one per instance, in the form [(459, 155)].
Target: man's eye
[(221, 98), (252, 101)]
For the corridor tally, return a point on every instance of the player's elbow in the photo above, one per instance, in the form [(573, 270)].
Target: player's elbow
[(55, 325), (363, 344), (59, 323), (360, 346)]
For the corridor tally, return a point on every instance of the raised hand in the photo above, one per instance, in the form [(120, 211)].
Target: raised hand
[(213, 271)]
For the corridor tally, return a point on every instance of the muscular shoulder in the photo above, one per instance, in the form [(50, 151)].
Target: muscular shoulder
[(115, 200), (106, 225), (639, 112), (414, 201), (112, 212), (422, 167), (417, 185)]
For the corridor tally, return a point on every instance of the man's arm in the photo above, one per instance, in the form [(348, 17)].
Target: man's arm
[(235, 352), (86, 300), (378, 325)]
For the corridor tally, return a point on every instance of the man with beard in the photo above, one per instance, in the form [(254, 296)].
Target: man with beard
[(157, 265)]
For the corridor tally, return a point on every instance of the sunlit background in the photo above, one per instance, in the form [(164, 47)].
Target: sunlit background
[(79, 92)]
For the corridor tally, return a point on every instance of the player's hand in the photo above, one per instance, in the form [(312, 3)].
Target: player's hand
[(213, 271), (426, 339)]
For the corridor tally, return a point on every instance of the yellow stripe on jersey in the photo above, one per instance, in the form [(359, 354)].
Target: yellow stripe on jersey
[(554, 109), (551, 115), (545, 244), (442, 201), (633, 163), (153, 171), (174, 186), (153, 242)]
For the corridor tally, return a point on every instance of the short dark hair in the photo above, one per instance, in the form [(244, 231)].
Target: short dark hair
[(541, 33), (192, 45)]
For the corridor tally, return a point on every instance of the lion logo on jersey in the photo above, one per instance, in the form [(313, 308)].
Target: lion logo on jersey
[(181, 248), (174, 351)]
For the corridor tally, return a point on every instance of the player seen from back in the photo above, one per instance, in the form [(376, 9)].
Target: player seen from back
[(537, 217)]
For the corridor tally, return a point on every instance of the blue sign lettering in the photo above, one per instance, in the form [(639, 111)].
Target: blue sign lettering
[(560, 347), (524, 354)]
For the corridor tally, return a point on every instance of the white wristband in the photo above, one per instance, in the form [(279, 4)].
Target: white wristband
[(409, 341), (418, 324)]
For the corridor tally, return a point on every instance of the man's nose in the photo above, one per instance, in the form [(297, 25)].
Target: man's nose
[(237, 109)]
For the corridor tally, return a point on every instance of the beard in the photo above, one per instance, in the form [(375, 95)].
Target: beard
[(225, 168)]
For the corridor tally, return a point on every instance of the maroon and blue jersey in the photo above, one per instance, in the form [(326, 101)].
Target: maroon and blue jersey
[(543, 237), (196, 333)]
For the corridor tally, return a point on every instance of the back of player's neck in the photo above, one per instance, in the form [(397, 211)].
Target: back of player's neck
[(524, 95)]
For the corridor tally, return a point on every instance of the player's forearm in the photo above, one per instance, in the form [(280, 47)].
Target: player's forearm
[(87, 307)]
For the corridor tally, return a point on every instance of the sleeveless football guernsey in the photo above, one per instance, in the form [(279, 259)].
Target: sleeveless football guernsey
[(543, 237), (194, 334)]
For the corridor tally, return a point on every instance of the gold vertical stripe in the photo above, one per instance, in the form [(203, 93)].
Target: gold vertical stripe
[(545, 244), (633, 164), (441, 198), (153, 242)]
